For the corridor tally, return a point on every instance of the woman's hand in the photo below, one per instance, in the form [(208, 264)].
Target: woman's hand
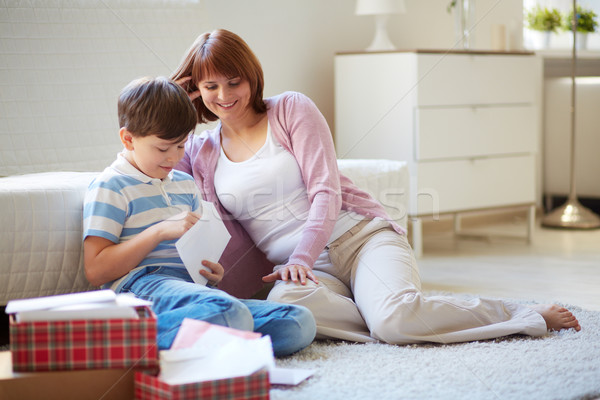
[(216, 272), (297, 273), (188, 86)]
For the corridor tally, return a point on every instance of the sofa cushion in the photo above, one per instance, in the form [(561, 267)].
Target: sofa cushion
[(385, 180), (40, 240)]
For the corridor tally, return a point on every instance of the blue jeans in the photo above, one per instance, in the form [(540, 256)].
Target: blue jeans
[(175, 296)]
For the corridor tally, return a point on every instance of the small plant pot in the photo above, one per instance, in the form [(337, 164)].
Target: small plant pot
[(581, 40), (540, 39)]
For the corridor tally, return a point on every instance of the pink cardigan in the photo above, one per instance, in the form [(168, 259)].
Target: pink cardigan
[(298, 125)]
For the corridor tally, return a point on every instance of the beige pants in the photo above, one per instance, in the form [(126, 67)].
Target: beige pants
[(369, 289)]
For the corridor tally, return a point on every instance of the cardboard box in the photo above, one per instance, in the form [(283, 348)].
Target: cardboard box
[(252, 387), (114, 384), (84, 344)]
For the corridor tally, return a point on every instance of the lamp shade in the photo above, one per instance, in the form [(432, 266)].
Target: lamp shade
[(379, 7)]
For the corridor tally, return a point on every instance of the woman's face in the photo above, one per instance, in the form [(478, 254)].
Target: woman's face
[(227, 98)]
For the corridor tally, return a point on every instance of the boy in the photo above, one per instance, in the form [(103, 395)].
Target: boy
[(139, 206)]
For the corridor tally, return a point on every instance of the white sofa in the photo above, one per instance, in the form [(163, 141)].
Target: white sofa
[(41, 224)]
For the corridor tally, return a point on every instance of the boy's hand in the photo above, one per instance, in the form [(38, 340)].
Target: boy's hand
[(189, 87), (297, 273), (177, 225), (216, 275)]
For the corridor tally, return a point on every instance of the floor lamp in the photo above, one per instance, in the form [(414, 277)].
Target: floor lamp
[(572, 214)]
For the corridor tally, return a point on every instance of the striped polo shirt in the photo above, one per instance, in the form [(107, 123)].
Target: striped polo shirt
[(122, 201)]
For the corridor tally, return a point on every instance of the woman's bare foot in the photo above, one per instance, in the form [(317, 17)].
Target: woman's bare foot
[(557, 317)]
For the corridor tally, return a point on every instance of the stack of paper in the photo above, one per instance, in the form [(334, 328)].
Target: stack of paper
[(203, 352), (98, 304)]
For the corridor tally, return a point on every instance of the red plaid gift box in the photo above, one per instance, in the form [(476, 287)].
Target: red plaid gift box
[(251, 387), (84, 344)]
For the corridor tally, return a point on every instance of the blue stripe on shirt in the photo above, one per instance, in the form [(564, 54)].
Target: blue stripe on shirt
[(144, 204), (104, 209), (102, 234), (161, 261)]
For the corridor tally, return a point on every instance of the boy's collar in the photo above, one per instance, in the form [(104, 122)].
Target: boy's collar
[(124, 167)]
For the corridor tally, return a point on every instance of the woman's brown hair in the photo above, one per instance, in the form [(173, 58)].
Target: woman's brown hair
[(221, 52)]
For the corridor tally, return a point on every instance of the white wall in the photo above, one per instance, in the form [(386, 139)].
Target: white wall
[(62, 66)]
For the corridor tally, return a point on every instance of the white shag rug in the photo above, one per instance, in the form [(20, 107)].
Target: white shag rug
[(560, 365)]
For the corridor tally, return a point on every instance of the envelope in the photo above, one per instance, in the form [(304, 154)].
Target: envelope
[(206, 240)]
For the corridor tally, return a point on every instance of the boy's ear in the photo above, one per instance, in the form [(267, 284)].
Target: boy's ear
[(126, 138)]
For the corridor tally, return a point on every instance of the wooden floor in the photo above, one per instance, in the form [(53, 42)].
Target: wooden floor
[(559, 265)]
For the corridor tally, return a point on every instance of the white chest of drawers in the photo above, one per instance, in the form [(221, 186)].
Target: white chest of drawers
[(467, 123)]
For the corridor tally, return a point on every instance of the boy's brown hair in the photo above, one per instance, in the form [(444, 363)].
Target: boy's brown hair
[(222, 52), (156, 106)]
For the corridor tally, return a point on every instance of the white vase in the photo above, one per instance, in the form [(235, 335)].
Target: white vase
[(581, 39), (464, 21), (540, 39)]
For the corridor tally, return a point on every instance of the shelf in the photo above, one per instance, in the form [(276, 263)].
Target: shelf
[(557, 63), (567, 53)]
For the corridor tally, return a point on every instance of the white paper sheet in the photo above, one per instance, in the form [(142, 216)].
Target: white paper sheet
[(82, 311), (214, 352), (44, 303), (206, 240), (288, 376), (236, 357), (99, 304)]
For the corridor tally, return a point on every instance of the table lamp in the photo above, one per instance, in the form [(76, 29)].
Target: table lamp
[(381, 9)]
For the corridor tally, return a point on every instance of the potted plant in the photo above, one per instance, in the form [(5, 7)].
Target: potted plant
[(542, 22), (586, 23)]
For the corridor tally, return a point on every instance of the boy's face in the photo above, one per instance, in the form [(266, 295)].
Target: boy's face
[(153, 156)]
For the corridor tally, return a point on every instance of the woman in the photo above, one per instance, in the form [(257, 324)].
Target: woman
[(271, 165)]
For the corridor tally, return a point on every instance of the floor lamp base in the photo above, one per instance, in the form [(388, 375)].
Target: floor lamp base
[(571, 215)]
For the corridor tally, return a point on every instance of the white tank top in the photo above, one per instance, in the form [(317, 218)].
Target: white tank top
[(267, 195)]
